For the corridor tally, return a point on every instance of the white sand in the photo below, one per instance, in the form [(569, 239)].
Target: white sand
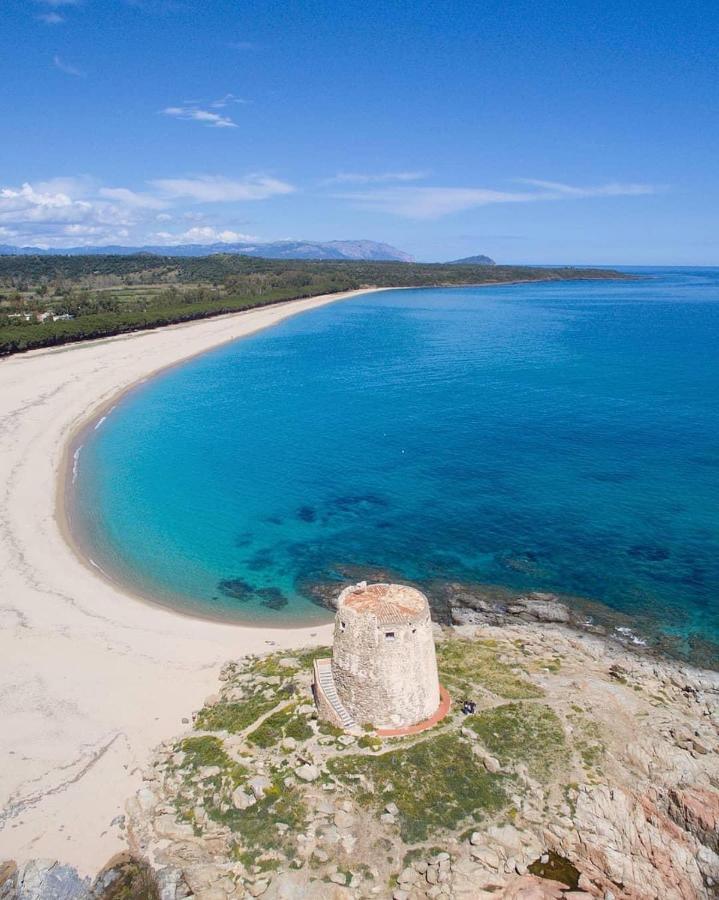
[(91, 679)]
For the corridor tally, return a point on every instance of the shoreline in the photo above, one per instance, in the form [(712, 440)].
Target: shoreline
[(74, 444), (94, 678)]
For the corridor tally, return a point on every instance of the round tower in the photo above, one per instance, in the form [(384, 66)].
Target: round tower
[(383, 661)]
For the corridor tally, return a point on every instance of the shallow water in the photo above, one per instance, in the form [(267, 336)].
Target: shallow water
[(551, 436)]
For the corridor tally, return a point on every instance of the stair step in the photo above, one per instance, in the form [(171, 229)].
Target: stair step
[(327, 684)]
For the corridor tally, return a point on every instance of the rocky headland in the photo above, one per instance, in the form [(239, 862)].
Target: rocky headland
[(584, 771)]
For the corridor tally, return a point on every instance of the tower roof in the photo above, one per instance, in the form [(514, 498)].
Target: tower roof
[(389, 603)]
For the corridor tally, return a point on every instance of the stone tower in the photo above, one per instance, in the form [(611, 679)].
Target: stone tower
[(383, 670)]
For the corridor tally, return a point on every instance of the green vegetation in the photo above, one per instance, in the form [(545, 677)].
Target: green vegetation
[(132, 879), (587, 740), (327, 728), (256, 827), (234, 716), (209, 751), (436, 784), (528, 733), (369, 742), (208, 773), (465, 665), (282, 724), (108, 295)]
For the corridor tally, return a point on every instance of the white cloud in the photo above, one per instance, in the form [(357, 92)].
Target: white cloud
[(62, 212), (206, 235), (435, 202), (226, 101), (57, 212), (612, 189), (377, 178), (50, 18), (67, 68), (132, 198), (217, 189), (196, 114)]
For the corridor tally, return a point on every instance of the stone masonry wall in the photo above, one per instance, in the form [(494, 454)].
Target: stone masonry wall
[(386, 682)]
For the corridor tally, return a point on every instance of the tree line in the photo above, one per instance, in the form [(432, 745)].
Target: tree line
[(228, 283)]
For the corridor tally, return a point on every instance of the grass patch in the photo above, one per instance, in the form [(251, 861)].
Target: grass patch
[(436, 784), (327, 728), (202, 752), (587, 741), (255, 828), (529, 733), (465, 665), (209, 751), (370, 742), (235, 716), (282, 724)]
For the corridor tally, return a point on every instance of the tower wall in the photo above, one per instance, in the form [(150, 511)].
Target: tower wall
[(385, 671)]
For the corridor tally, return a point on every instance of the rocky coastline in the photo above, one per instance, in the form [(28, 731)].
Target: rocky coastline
[(476, 603), (585, 772)]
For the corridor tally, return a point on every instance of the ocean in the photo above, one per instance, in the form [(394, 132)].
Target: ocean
[(552, 436)]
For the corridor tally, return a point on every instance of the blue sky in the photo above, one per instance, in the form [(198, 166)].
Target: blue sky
[(539, 132)]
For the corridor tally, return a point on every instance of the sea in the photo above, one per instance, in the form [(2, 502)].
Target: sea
[(555, 437)]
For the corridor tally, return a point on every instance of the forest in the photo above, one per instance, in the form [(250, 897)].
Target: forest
[(51, 300)]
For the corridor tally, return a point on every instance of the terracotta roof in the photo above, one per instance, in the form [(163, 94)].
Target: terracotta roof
[(388, 603)]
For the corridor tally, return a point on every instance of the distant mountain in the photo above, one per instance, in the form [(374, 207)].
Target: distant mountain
[(478, 260), (275, 250)]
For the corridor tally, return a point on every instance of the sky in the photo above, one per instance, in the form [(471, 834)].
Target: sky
[(535, 132)]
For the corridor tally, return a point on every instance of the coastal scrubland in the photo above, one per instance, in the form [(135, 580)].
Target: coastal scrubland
[(51, 300), (574, 776)]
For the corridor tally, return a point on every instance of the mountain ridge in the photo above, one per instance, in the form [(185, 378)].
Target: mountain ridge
[(360, 249)]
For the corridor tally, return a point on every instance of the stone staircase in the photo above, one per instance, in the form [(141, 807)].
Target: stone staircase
[(326, 683)]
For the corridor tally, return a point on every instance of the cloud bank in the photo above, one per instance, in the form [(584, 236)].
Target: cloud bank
[(434, 202)]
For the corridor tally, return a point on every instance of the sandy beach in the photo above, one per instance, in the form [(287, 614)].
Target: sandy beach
[(91, 679)]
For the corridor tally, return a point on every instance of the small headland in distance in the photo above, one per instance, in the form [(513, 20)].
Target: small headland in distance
[(46, 301), (479, 260)]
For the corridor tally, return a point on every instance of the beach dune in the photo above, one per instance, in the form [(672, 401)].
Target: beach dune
[(91, 679)]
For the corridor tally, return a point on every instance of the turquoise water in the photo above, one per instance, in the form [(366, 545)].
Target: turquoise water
[(550, 436)]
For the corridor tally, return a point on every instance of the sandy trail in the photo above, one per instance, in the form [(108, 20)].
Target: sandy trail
[(90, 678)]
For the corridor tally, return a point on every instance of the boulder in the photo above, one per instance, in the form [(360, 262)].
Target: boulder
[(259, 784), (241, 799), (344, 819), (46, 879), (540, 607), (307, 772)]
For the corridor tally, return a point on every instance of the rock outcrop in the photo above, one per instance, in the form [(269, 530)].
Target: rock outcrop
[(581, 771)]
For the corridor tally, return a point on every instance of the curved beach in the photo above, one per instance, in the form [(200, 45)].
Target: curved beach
[(92, 678)]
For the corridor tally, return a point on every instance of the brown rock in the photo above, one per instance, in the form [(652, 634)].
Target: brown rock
[(531, 887), (696, 810)]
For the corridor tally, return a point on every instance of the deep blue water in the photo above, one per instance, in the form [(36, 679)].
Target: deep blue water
[(551, 436)]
